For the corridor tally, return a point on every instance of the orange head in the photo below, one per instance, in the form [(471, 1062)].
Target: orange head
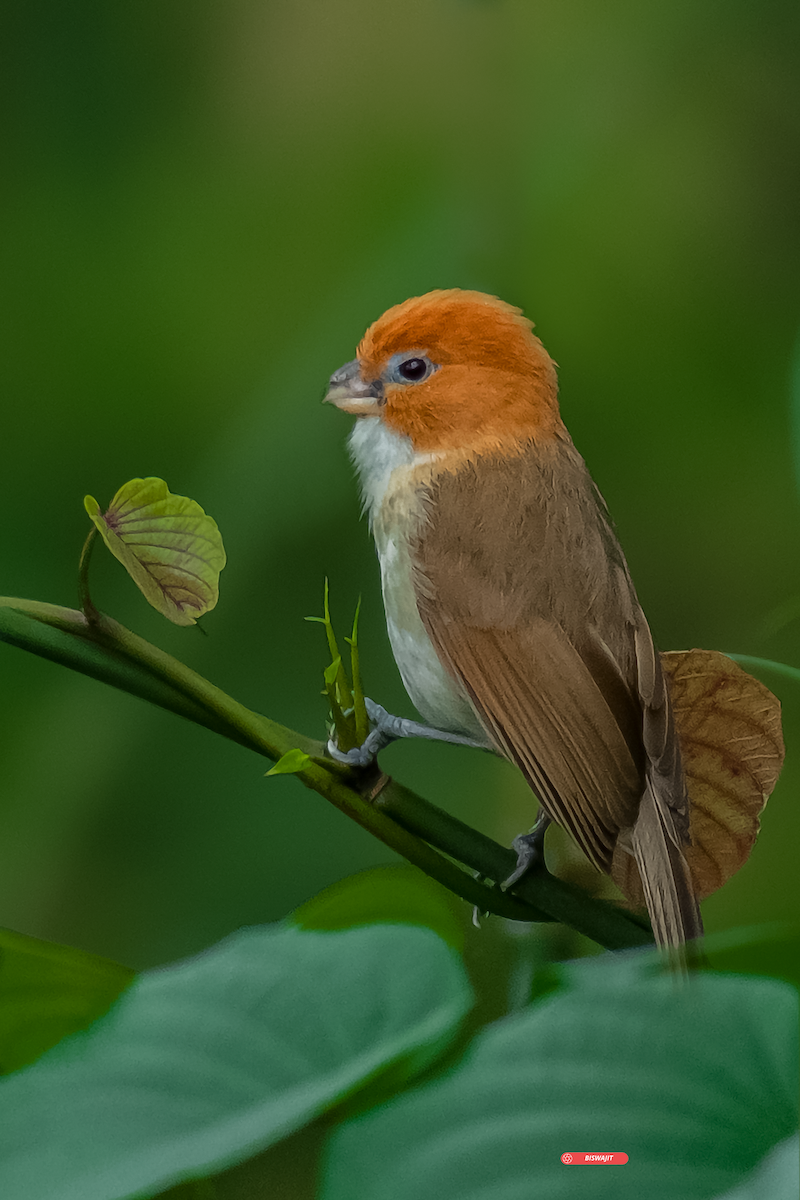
[(453, 370)]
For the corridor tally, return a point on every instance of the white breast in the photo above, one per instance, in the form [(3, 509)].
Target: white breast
[(385, 461)]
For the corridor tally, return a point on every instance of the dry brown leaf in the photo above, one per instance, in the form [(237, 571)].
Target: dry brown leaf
[(729, 727)]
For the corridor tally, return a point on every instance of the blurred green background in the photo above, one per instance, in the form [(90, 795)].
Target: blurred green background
[(203, 206)]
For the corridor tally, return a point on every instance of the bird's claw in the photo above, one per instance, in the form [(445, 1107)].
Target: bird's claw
[(360, 756), (390, 727), (530, 851), (381, 734)]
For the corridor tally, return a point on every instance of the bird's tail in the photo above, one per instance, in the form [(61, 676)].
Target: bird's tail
[(666, 880)]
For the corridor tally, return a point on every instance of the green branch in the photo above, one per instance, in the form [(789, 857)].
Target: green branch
[(767, 664), (417, 830), (600, 920)]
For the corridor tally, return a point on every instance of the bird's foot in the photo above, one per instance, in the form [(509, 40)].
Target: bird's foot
[(386, 729), (530, 851), (363, 755)]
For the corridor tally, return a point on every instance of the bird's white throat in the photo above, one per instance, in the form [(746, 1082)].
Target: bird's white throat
[(376, 451), (385, 462)]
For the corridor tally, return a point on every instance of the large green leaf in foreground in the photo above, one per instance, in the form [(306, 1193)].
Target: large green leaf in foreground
[(397, 893), (48, 991), (694, 1080), (777, 1176), (203, 1064)]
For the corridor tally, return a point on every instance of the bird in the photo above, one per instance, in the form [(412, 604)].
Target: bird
[(509, 605)]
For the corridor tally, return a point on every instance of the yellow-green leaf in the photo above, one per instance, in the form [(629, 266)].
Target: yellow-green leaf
[(289, 763), (172, 551)]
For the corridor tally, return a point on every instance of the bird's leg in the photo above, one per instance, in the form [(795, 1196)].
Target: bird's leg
[(530, 850), (386, 729)]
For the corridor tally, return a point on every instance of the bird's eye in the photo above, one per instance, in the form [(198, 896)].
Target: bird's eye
[(411, 367)]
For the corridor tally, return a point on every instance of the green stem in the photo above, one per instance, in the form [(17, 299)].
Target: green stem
[(359, 708), (556, 900), (64, 635), (88, 608), (412, 846), (234, 720), (409, 825)]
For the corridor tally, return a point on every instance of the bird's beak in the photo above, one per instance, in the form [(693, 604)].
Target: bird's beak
[(349, 392)]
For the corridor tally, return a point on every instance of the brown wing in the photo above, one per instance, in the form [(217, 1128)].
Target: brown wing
[(551, 646)]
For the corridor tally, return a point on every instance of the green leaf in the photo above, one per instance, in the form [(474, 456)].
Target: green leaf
[(291, 762), (48, 991), (331, 675), (331, 636), (170, 548), (693, 1079), (325, 620), (772, 950), (398, 893), (777, 1176), (204, 1064), (346, 700)]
